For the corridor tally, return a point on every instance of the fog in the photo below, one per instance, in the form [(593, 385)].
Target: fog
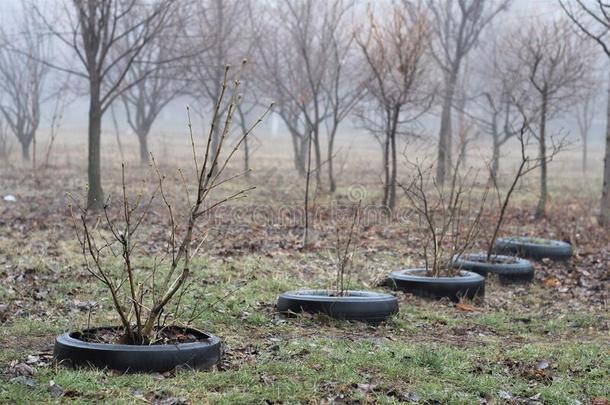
[(172, 119), (378, 74)]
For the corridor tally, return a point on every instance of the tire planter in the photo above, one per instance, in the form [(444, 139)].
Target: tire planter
[(509, 269), (466, 285), (366, 306), (528, 247), (71, 351)]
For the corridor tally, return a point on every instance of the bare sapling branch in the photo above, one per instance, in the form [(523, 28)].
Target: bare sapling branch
[(306, 200), (448, 215), (524, 135), (141, 297), (345, 249)]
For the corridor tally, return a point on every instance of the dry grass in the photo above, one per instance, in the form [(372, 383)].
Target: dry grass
[(431, 351)]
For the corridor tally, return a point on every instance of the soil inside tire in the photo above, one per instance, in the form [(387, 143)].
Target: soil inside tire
[(201, 354), (495, 260), (465, 285), (367, 306), (171, 335)]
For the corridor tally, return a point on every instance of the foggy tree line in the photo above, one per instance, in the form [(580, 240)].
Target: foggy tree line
[(383, 65)]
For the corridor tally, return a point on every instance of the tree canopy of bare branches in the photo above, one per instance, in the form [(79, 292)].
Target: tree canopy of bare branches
[(397, 80), (220, 34), (593, 19), (493, 97), (552, 63), (159, 77), (585, 113), (22, 77), (457, 25), (93, 32), (525, 132), (306, 62)]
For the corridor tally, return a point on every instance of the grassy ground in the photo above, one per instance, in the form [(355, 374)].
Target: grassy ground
[(544, 343), (431, 351)]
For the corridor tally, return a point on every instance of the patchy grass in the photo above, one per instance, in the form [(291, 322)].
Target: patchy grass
[(431, 351), (544, 343)]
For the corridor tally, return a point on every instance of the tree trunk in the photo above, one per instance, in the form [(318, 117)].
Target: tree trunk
[(585, 148), (495, 159), (604, 216), (386, 170), (541, 208), (495, 154), (393, 169), (144, 154), (299, 146), (25, 150), (392, 190), (318, 168), (244, 129), (332, 185), (444, 139), (246, 158), (215, 141), (95, 195)]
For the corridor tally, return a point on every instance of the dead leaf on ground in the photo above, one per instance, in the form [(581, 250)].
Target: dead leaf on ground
[(465, 307), (551, 282)]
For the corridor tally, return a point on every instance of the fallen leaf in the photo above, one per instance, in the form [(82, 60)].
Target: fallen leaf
[(551, 282), (465, 307)]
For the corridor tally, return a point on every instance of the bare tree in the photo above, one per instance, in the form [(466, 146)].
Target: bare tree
[(140, 299), (396, 80), (5, 143), (593, 19), (553, 63), (494, 120), (151, 93), (22, 77), (305, 61), (494, 97), (457, 25), (93, 31), (220, 32), (467, 131), (525, 133), (276, 76), (341, 87), (450, 217), (346, 244), (244, 110), (584, 113)]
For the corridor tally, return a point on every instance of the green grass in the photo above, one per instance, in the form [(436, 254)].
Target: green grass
[(430, 352), (323, 367)]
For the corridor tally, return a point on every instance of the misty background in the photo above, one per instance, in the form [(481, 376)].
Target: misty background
[(171, 123)]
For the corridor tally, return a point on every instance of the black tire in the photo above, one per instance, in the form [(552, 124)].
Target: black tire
[(73, 352), (466, 285), (366, 306), (527, 247), (515, 271)]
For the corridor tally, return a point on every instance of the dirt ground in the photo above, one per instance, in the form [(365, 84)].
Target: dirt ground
[(548, 342)]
